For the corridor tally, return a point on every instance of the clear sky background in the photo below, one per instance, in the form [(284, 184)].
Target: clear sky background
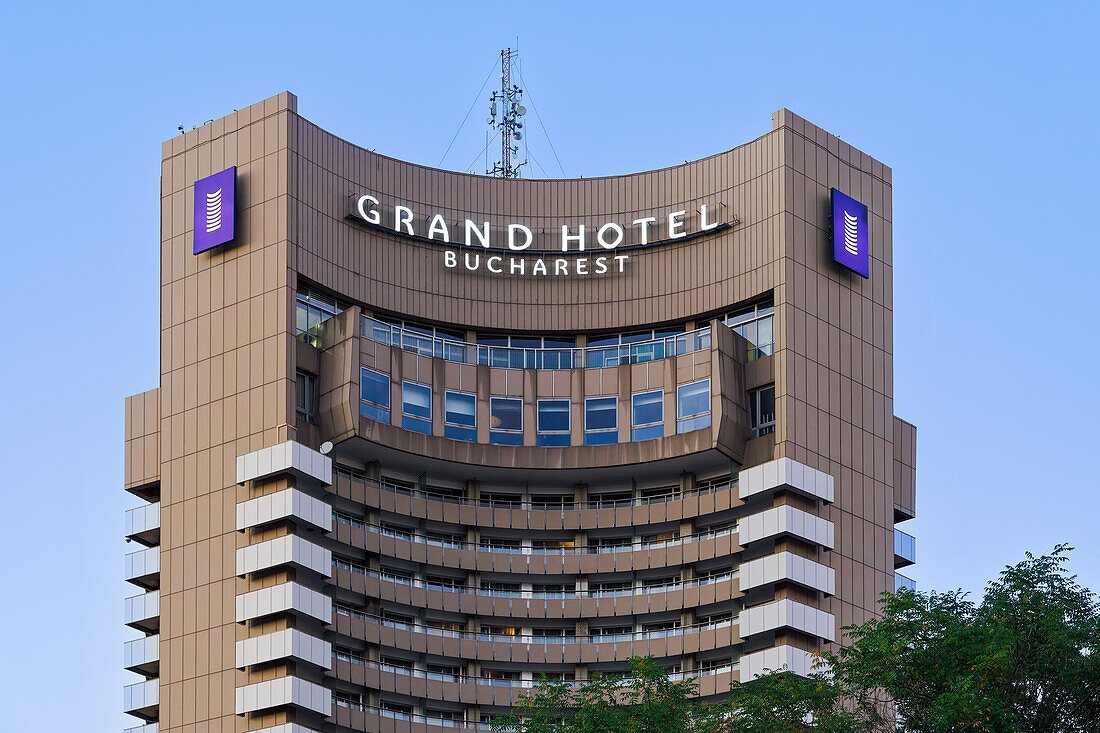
[(986, 112)]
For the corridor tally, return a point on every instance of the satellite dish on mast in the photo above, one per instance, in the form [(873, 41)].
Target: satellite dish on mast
[(521, 110)]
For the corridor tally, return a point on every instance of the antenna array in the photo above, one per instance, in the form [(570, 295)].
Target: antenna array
[(506, 119)]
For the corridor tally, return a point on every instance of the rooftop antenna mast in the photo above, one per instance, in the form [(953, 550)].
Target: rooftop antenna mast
[(506, 120)]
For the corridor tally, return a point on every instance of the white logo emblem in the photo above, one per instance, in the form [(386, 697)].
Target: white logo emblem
[(851, 233), (214, 211)]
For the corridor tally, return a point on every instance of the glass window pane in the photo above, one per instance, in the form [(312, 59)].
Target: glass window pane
[(601, 413), (553, 416), (693, 399), (648, 432), (553, 440), (612, 340), (374, 387), (648, 407), (416, 400), (499, 438), (460, 408), (693, 423), (767, 405), (506, 414)]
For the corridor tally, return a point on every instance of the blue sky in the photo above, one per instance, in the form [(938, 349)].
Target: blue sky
[(986, 112)]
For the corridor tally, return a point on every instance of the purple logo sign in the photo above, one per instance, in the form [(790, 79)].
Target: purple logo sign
[(851, 235), (214, 209)]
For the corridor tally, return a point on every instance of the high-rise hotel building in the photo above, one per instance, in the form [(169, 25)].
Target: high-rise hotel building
[(422, 436)]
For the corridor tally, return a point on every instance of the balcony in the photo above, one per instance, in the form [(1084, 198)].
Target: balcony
[(142, 655), (903, 582), (905, 549), (142, 612), (143, 524), (461, 352), (143, 568), (142, 700)]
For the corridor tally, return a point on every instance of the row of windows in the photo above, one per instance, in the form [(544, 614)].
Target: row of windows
[(601, 414)]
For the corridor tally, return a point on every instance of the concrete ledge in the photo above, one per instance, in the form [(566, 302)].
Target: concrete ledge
[(283, 691), (289, 457), (286, 504), (785, 473), (788, 613)]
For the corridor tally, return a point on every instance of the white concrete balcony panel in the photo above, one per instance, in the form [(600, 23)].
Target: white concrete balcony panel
[(788, 613), (784, 473), (286, 504), (284, 598), (289, 457), (778, 658), (283, 691), (786, 566), (785, 520), (286, 550), (284, 644)]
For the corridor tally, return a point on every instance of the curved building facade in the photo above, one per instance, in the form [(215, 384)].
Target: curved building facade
[(422, 436)]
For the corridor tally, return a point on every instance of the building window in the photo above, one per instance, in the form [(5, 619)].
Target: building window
[(553, 423), (693, 406), (635, 348), (374, 395), (647, 415), (601, 420), (311, 310), (459, 415), (416, 407), (305, 396), (762, 411), (757, 325), (505, 421)]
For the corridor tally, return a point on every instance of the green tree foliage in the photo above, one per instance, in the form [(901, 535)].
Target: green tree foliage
[(1024, 660)]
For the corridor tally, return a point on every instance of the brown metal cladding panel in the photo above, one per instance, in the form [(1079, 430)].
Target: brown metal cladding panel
[(485, 606), (624, 605), (691, 641), (467, 649), (402, 504), (709, 593), (571, 653), (503, 518), (658, 557), (371, 495), (552, 520), (416, 597), (627, 516), (642, 648), (589, 564), (656, 512), (530, 563), (450, 557), (571, 519), (435, 510), (674, 555), (569, 565), (723, 500), (387, 545), (674, 510), (503, 652), (372, 676), (468, 693), (468, 515), (674, 645), (435, 690), (724, 636), (691, 552), (592, 518), (434, 644), (605, 562), (468, 603), (485, 561), (589, 608), (706, 503), (691, 597), (399, 638), (452, 646), (595, 652), (418, 507), (484, 517), (691, 506)]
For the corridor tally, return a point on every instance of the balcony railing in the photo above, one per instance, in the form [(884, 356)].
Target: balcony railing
[(902, 581), (142, 611), (143, 567), (626, 546), (142, 699), (141, 655), (905, 548), (351, 658), (440, 494), (509, 357), (147, 728), (143, 524), (641, 589)]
